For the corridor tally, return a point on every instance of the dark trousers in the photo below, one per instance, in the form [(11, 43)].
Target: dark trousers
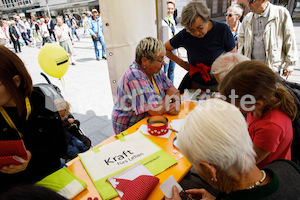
[(51, 32), (188, 83), (16, 45), (28, 33), (46, 39)]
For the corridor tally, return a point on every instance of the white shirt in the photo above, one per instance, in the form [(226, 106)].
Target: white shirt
[(44, 30), (65, 33), (21, 26), (259, 24), (27, 25)]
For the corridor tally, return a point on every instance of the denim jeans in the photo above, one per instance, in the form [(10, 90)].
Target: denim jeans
[(169, 69), (25, 38), (101, 40), (28, 33), (74, 33), (75, 146)]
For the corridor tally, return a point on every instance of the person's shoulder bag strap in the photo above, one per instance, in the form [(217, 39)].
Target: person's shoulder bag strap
[(9, 120)]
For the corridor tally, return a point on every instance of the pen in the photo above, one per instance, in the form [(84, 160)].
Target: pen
[(187, 196), (173, 130)]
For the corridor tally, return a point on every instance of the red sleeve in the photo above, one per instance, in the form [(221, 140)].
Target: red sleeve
[(268, 137)]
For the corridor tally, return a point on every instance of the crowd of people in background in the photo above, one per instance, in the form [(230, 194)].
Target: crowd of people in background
[(238, 150), (36, 32)]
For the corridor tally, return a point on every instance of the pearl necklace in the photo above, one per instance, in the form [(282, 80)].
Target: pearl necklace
[(257, 183)]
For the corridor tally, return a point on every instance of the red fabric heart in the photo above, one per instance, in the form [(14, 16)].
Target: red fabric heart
[(9, 149), (138, 189)]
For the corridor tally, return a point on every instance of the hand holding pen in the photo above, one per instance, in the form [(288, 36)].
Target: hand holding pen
[(193, 194)]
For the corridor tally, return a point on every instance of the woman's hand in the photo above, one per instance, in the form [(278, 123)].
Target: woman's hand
[(196, 194), (71, 120), (176, 195), (173, 91), (13, 169), (172, 101), (172, 109), (200, 194)]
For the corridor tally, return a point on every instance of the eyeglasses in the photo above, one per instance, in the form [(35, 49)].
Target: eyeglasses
[(229, 15), (160, 61), (250, 1), (198, 29)]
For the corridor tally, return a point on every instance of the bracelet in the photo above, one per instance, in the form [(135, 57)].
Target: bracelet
[(173, 100)]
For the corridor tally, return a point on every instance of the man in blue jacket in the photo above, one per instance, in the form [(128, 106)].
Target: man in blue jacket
[(95, 29)]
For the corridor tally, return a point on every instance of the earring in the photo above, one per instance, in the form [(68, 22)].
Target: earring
[(144, 67), (212, 179)]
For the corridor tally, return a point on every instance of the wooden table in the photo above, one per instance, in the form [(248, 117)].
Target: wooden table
[(178, 170)]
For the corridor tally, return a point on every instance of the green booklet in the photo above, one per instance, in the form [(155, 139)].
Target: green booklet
[(64, 182)]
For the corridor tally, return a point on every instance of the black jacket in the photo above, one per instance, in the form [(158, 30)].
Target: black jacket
[(43, 136), (284, 184), (13, 31), (52, 26)]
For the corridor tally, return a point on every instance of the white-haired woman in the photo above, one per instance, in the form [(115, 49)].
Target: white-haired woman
[(214, 138), (85, 24), (64, 36), (225, 63), (233, 15), (44, 32), (144, 89)]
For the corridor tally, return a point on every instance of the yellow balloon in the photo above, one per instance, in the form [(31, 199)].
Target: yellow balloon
[(54, 60)]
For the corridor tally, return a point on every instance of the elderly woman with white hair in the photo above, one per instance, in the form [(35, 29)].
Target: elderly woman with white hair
[(214, 138), (233, 15), (225, 63), (44, 32)]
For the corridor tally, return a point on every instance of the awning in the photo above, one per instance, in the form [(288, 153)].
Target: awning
[(15, 9), (62, 6)]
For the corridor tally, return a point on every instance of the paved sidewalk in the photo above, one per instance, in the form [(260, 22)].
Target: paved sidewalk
[(87, 86)]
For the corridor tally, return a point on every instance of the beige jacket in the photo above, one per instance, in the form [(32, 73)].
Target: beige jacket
[(279, 39)]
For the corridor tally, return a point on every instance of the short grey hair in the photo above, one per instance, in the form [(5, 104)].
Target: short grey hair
[(216, 132), (236, 8), (225, 63), (192, 11), (148, 47)]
